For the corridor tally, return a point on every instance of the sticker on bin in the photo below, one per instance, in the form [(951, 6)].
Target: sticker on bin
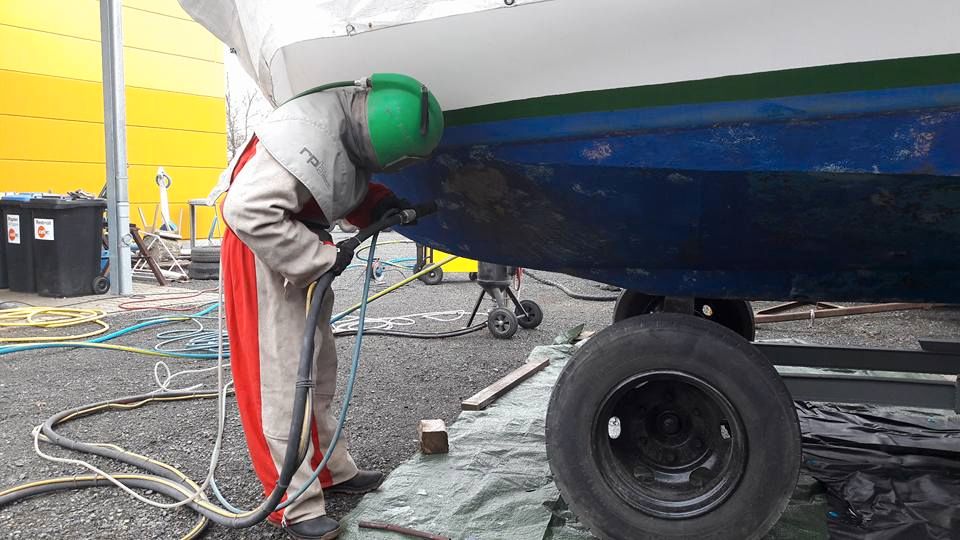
[(13, 228), (43, 229)]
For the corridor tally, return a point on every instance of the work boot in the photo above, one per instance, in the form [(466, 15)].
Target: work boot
[(363, 482), (321, 528)]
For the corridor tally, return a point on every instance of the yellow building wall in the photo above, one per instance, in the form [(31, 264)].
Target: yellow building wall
[(51, 102)]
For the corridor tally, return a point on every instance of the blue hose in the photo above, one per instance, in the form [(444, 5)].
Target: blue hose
[(107, 337)]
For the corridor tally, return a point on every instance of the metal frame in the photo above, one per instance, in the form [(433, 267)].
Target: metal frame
[(214, 227), (891, 376), (935, 391), (822, 310)]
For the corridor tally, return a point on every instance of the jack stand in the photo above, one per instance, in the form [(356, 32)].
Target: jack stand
[(494, 280)]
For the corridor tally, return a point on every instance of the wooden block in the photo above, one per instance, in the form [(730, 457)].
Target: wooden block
[(433, 437), (482, 399), (586, 334)]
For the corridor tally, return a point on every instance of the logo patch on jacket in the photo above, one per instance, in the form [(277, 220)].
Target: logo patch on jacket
[(313, 161)]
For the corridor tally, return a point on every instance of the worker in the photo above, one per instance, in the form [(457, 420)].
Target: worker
[(307, 167)]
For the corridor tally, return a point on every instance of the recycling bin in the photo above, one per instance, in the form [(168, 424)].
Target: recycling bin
[(17, 216), (67, 243)]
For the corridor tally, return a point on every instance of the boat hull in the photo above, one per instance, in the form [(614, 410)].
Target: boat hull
[(742, 149), (842, 196)]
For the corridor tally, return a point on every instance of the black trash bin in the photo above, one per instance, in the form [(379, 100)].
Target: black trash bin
[(67, 239), (18, 247)]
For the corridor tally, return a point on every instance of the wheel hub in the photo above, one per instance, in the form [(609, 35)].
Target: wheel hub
[(669, 423), (680, 449)]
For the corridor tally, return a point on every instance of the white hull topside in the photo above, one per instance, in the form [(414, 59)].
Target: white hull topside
[(554, 47)]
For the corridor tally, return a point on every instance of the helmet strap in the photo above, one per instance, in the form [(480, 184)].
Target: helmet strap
[(424, 110)]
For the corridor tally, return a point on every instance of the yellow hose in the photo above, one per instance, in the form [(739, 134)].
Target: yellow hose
[(51, 317), (395, 286), (111, 347)]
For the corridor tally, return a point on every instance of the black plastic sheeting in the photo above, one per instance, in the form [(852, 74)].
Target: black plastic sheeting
[(889, 473)]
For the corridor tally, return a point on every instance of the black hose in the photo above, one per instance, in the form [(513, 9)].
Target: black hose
[(414, 335), (291, 461), (569, 292), (82, 482)]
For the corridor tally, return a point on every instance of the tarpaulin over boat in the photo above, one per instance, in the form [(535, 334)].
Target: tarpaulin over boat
[(257, 31)]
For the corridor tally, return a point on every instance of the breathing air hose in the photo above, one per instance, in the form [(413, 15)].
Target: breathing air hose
[(325, 87), (167, 480)]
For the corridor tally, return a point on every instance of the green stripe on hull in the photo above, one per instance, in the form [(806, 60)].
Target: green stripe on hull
[(858, 76)]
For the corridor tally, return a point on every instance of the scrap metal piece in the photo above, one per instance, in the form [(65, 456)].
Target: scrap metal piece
[(772, 315), (400, 530)]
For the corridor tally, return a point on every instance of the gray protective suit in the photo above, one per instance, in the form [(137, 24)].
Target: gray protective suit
[(315, 148)]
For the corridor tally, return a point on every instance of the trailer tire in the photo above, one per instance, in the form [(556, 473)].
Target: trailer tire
[(698, 394), (736, 315)]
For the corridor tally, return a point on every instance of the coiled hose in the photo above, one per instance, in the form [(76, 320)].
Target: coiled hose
[(166, 479)]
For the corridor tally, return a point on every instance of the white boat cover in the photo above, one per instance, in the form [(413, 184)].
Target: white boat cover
[(257, 30), (472, 53)]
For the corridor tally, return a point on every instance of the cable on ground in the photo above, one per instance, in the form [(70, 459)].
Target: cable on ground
[(149, 301), (569, 292), (51, 317)]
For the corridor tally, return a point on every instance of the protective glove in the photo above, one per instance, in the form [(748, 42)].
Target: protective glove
[(387, 206), (345, 250)]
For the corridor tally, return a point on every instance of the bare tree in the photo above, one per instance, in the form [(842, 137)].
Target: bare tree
[(245, 108)]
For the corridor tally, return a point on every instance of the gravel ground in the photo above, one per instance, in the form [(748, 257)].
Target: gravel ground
[(400, 382)]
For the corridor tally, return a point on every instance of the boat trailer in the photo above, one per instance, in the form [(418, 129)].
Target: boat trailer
[(674, 423)]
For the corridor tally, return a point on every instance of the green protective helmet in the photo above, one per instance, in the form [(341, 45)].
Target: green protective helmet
[(404, 119)]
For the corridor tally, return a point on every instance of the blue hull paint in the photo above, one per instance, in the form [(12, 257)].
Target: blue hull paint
[(850, 196)]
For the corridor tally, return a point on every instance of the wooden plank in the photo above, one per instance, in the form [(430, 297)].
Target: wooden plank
[(482, 399), (145, 254)]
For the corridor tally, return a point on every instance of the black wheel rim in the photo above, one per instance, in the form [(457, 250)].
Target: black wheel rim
[(669, 444), (501, 322)]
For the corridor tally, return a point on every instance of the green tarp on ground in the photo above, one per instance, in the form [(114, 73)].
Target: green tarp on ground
[(496, 484)]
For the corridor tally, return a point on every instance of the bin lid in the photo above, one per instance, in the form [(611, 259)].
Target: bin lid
[(53, 204), (18, 197)]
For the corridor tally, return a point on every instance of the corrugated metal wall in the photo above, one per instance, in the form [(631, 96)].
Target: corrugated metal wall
[(51, 106)]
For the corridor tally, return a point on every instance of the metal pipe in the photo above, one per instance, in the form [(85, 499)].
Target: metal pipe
[(400, 530), (836, 312), (780, 308), (115, 135)]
